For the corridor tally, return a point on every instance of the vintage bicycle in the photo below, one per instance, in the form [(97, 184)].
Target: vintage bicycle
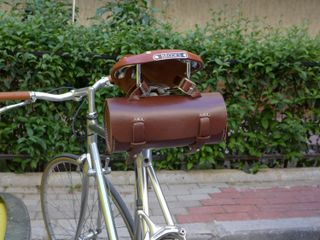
[(163, 108)]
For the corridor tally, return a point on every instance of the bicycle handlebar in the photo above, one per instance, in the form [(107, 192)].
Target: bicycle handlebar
[(30, 97), (72, 95)]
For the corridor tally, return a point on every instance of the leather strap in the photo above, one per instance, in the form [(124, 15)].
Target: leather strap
[(138, 139), (204, 127), (203, 133), (186, 86), (142, 90), (138, 133)]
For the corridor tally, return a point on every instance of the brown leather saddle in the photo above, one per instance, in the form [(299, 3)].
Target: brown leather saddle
[(138, 75)]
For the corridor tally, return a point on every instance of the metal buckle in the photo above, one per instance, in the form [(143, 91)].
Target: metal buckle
[(190, 89)]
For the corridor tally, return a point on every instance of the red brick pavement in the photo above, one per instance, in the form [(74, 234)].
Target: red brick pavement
[(251, 204)]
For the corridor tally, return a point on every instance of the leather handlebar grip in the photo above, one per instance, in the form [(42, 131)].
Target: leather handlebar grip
[(4, 96)]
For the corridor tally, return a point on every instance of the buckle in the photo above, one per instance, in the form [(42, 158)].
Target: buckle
[(187, 86)]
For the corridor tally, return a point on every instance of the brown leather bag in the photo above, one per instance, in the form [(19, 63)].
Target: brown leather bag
[(164, 122)]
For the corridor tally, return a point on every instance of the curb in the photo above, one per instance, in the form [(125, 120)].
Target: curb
[(185, 177), (18, 220), (280, 229)]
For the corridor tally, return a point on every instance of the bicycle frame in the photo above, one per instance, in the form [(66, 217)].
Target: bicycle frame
[(145, 229), (94, 164), (143, 171)]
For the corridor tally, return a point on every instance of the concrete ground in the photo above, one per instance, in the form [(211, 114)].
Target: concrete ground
[(213, 204)]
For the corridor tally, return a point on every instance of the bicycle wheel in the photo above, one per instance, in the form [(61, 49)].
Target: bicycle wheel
[(61, 189)]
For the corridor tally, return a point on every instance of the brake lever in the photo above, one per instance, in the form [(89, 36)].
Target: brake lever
[(21, 104)]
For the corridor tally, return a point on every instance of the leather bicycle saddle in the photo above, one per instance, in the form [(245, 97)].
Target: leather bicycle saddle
[(166, 67)]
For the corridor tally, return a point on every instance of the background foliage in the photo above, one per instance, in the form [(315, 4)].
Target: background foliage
[(269, 77)]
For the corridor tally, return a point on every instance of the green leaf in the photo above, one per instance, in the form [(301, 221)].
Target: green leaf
[(265, 123), (218, 61), (30, 132), (189, 165)]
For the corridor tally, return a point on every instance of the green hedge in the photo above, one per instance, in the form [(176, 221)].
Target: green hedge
[(269, 78)]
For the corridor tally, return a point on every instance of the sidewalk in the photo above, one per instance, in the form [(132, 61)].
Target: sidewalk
[(214, 204)]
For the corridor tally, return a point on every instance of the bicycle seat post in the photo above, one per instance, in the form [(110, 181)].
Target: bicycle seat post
[(147, 154), (144, 173)]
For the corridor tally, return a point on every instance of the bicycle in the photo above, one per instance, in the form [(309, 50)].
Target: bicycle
[(98, 209)]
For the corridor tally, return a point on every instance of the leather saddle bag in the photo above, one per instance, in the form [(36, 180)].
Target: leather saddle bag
[(164, 122)]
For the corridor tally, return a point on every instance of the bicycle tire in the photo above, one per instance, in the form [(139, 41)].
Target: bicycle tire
[(58, 221)]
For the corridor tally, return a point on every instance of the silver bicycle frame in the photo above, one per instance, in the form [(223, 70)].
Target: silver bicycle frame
[(144, 171), (144, 174), (93, 130)]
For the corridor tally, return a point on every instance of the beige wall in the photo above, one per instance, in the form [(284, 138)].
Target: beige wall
[(87, 9), (184, 14)]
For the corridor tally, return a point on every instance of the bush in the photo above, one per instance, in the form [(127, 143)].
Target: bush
[(269, 78)]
